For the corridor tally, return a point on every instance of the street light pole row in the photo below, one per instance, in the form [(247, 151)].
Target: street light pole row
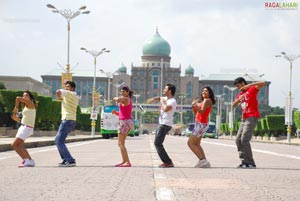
[(94, 111), (289, 113), (231, 119), (68, 15)]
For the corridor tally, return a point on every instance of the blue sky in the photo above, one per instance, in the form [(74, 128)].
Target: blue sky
[(212, 36)]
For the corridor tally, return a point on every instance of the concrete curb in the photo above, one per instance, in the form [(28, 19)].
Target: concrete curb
[(42, 143)]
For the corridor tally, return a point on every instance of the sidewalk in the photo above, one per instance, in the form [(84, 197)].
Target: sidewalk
[(31, 142)]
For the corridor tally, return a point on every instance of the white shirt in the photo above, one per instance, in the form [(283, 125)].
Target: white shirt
[(166, 118)]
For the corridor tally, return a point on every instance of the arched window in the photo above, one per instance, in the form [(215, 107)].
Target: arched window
[(189, 90), (155, 79)]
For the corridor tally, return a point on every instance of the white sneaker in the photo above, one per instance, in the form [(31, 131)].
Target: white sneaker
[(202, 164), (27, 163)]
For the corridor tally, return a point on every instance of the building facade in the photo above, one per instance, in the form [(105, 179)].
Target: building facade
[(25, 83), (149, 78)]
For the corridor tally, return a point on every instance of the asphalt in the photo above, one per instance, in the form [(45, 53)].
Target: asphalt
[(31, 142)]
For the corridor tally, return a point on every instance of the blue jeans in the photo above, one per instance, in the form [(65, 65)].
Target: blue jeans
[(161, 133), (65, 127)]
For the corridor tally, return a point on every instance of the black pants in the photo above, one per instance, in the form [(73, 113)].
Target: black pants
[(160, 135)]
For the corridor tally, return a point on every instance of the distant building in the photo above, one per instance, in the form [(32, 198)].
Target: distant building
[(150, 77), (25, 83), (218, 81)]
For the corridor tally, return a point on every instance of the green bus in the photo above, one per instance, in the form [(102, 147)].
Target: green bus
[(109, 123)]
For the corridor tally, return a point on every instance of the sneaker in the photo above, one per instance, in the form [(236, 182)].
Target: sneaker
[(166, 165), (67, 164), (21, 164), (27, 163), (247, 166), (60, 164), (202, 164)]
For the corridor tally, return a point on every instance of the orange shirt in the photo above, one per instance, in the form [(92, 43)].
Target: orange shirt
[(202, 118)]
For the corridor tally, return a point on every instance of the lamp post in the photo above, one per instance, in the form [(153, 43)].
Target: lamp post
[(219, 116), (95, 96), (136, 103), (117, 87), (181, 96), (253, 79), (109, 75), (289, 108), (161, 74), (231, 119), (68, 15)]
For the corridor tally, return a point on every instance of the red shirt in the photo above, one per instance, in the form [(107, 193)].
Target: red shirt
[(249, 103), (202, 118)]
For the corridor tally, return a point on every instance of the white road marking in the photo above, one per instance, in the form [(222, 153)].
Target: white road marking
[(50, 149), (258, 150), (162, 193)]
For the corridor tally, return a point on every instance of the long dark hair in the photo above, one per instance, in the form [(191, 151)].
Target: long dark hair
[(211, 94), (130, 92), (32, 98)]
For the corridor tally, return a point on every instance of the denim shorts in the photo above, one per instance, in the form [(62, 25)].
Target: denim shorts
[(199, 129), (125, 125)]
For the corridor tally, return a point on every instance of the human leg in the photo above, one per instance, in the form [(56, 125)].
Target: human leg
[(238, 142), (249, 125), (124, 154), (194, 144), (160, 135), (124, 128), (65, 128), (18, 146)]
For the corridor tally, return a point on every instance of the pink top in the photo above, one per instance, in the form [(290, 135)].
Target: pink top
[(125, 110)]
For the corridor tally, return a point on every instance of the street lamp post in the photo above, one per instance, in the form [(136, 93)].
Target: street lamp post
[(181, 96), (231, 119), (68, 15), (253, 79), (136, 103), (109, 75), (117, 87), (219, 116), (95, 103), (162, 77), (289, 112)]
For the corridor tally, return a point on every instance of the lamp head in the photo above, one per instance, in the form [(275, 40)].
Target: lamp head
[(50, 6)]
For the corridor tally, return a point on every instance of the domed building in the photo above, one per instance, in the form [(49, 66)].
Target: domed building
[(156, 71)]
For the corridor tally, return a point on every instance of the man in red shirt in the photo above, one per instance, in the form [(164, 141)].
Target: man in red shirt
[(247, 98)]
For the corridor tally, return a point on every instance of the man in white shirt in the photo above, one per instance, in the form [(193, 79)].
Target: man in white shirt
[(167, 109)]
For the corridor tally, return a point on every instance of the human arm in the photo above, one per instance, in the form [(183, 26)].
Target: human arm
[(122, 100), (154, 99), (115, 112), (257, 85), (238, 100), (59, 94), (205, 104)]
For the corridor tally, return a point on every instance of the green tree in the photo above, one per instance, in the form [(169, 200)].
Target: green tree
[(2, 86)]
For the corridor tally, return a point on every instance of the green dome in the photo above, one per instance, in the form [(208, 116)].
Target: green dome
[(189, 70), (156, 46), (122, 68)]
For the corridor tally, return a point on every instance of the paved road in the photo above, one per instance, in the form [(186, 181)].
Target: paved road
[(276, 178)]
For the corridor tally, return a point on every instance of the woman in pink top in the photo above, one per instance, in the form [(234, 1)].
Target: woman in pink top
[(202, 111), (125, 122)]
